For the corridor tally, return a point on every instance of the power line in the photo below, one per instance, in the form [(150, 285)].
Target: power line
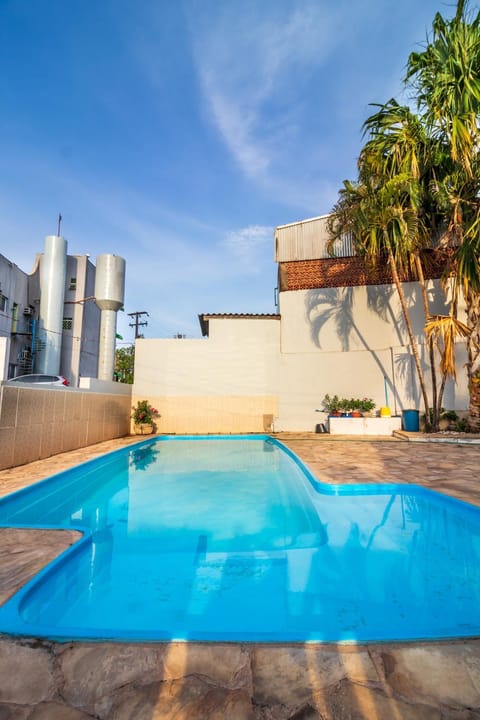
[(136, 323)]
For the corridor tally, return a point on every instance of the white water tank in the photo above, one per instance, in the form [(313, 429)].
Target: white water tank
[(109, 296), (53, 267)]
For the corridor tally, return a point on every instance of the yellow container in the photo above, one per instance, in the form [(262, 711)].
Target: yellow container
[(385, 412)]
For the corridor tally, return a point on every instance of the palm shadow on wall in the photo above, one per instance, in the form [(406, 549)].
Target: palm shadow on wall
[(336, 306)]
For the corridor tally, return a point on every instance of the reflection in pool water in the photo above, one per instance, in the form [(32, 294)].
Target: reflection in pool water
[(233, 539)]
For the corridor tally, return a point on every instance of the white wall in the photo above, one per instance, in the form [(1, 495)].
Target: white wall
[(79, 355), (14, 286), (238, 358), (104, 386), (4, 357), (226, 383), (355, 318), (90, 326), (328, 341), (346, 341)]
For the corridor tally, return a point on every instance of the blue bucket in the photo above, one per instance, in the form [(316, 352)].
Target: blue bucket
[(411, 422)]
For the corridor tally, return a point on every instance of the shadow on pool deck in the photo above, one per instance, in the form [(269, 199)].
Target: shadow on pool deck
[(42, 680)]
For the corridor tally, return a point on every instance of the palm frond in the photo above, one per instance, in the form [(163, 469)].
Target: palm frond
[(443, 331)]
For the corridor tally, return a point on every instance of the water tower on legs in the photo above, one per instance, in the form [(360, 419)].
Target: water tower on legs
[(109, 296)]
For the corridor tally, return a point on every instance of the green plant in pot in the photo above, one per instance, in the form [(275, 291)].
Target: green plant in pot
[(355, 407), (331, 405), (366, 405), (143, 415), (346, 406), (452, 419)]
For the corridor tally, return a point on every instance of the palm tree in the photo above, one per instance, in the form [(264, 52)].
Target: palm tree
[(399, 145), (399, 164), (378, 212), (446, 79), (402, 142)]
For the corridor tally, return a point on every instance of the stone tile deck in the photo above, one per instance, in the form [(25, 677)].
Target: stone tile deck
[(453, 469), (24, 552), (42, 680)]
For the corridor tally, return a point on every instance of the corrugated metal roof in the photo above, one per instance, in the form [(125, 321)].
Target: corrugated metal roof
[(301, 222), (205, 317), (308, 240)]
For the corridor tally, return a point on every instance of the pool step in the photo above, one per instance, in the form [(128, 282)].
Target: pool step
[(201, 551)]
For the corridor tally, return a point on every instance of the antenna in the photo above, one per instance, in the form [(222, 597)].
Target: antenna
[(59, 223)]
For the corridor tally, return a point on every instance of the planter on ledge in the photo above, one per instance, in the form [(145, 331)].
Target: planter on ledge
[(143, 429), (364, 425)]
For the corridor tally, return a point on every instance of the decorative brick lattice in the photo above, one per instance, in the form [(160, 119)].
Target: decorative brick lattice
[(342, 272)]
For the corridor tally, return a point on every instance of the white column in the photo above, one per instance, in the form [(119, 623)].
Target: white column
[(53, 268), (106, 351)]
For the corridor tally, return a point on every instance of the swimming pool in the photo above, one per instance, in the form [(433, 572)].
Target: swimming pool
[(233, 539)]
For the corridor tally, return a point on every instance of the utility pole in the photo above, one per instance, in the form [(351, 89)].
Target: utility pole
[(136, 323)]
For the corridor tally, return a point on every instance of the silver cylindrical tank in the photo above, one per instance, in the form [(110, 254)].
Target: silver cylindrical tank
[(109, 282), (109, 296), (53, 267)]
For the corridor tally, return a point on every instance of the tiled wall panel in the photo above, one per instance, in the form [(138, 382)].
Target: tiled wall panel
[(36, 423), (224, 414)]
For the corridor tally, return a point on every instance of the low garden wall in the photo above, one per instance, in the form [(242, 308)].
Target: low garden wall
[(36, 423), (364, 425)]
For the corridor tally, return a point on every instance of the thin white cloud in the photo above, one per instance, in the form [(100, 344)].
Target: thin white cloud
[(283, 44), (247, 244)]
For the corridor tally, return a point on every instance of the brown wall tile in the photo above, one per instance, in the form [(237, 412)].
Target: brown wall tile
[(41, 423), (7, 444), (9, 404), (27, 444), (30, 407)]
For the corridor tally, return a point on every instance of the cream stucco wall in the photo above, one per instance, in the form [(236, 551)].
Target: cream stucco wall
[(354, 318), (225, 383), (248, 372), (346, 341), (305, 378)]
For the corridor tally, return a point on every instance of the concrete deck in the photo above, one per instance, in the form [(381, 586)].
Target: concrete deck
[(42, 680), (450, 468)]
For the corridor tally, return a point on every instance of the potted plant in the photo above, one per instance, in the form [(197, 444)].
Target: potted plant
[(451, 417), (331, 405), (355, 406), (366, 405), (143, 414), (346, 407)]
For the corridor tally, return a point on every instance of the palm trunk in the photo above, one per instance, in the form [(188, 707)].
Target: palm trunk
[(413, 342), (436, 396), (440, 397), (473, 362)]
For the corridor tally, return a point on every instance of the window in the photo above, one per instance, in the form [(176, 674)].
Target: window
[(3, 303), (73, 283), (14, 317), (67, 323)]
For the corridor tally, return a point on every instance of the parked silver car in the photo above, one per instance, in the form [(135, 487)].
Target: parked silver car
[(38, 379)]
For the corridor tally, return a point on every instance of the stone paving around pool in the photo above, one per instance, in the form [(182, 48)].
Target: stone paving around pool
[(43, 680)]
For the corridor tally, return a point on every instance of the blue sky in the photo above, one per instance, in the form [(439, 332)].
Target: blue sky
[(179, 133)]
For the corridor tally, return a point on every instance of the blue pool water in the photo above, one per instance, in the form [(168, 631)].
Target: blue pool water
[(233, 539)]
